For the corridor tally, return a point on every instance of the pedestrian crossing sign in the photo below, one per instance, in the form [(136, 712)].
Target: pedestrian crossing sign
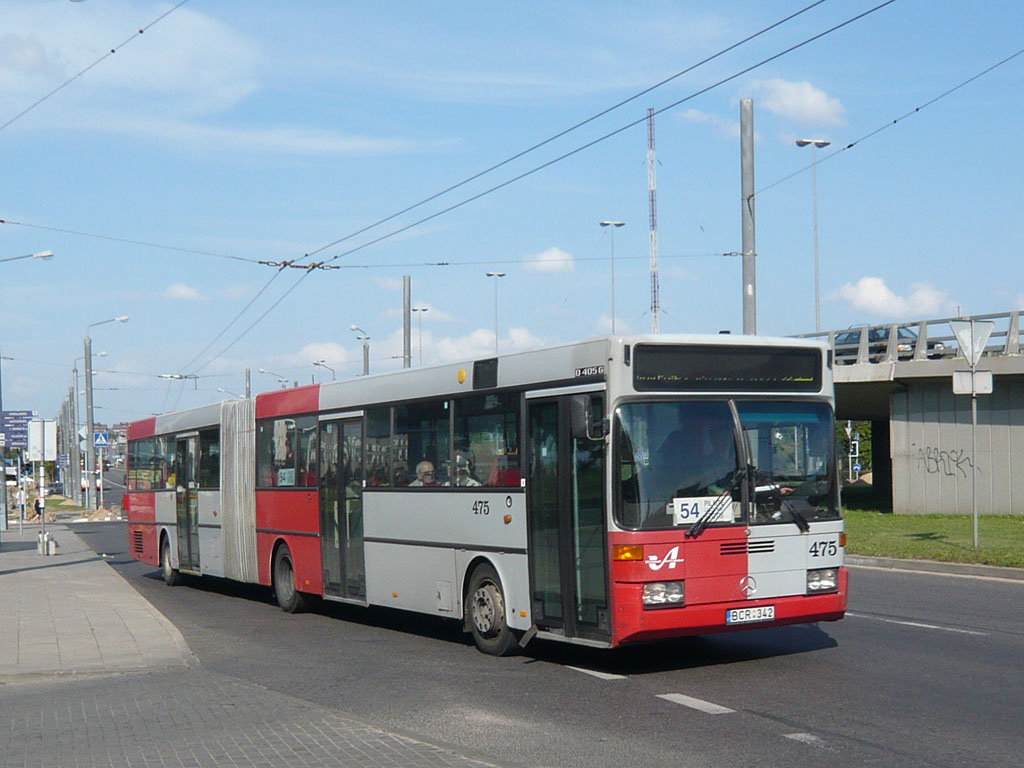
[(100, 439)]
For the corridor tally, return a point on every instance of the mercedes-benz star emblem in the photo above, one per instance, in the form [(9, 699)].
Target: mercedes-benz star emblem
[(748, 585)]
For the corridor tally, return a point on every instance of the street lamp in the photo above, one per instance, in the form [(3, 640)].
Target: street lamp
[(90, 447), (496, 276), (815, 145), (229, 392), (44, 256), (76, 412), (323, 364), (365, 338), (419, 318), (280, 379), (614, 225)]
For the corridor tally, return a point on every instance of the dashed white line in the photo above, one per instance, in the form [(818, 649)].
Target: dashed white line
[(916, 624), (692, 703), (806, 738), (598, 675)]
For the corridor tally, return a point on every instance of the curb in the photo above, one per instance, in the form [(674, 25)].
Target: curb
[(935, 566)]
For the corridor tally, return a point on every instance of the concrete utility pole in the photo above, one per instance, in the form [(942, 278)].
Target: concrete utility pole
[(749, 248), (406, 321)]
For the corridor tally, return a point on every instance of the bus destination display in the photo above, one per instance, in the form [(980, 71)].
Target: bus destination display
[(705, 368)]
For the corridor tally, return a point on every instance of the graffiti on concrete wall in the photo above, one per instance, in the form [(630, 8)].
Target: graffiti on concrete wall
[(949, 463)]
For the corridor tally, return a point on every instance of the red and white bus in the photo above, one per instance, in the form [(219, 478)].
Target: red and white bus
[(604, 492)]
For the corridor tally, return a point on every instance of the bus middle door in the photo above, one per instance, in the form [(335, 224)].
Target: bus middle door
[(566, 523), (341, 508), (186, 497)]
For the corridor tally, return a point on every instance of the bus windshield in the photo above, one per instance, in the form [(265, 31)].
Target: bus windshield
[(679, 461)]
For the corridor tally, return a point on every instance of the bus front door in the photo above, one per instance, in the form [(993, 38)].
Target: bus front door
[(186, 497), (566, 522), (341, 508)]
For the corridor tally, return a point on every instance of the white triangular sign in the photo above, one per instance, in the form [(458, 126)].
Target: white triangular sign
[(972, 335)]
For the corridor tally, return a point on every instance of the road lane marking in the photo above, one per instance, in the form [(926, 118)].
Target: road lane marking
[(598, 675), (925, 572), (692, 703), (806, 738), (917, 624)]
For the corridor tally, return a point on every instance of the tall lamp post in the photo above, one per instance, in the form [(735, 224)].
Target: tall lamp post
[(44, 256), (280, 379), (419, 317), (815, 145), (90, 447), (614, 225), (75, 451), (365, 338), (323, 364), (497, 276)]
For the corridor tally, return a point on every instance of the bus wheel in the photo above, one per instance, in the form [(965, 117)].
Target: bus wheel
[(485, 611), (289, 598), (172, 576)]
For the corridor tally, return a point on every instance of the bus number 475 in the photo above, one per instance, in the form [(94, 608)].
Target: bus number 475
[(824, 549), (481, 507)]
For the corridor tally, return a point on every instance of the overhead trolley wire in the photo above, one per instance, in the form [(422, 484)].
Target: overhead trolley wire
[(608, 135), (893, 122), (129, 241), (112, 51), (566, 131), (324, 264)]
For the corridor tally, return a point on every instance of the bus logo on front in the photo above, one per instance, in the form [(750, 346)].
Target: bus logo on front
[(671, 558)]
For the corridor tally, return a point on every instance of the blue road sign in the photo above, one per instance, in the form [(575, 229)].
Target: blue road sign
[(856, 467), (100, 439)]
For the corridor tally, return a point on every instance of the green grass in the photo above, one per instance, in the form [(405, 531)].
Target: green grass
[(873, 531)]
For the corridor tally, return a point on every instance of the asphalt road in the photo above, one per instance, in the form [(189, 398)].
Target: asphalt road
[(924, 671)]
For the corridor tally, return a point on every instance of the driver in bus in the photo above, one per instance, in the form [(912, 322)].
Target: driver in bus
[(698, 459)]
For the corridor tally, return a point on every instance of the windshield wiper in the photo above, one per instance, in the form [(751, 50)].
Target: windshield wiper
[(784, 503), (716, 508)]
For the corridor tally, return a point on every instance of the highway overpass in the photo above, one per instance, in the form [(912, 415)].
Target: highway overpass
[(899, 377)]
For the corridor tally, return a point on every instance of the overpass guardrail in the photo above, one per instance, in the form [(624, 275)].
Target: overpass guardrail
[(919, 340)]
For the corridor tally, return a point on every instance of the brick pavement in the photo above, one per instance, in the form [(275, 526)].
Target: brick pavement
[(93, 675)]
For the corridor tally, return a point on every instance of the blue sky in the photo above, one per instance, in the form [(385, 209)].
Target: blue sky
[(234, 132)]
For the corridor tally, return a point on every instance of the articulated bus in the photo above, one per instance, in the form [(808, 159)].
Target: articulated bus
[(610, 491)]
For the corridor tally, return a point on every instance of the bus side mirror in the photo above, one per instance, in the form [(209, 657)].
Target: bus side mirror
[(583, 427)]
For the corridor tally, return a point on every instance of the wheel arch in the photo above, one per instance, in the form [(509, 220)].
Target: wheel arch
[(279, 541), (467, 574)]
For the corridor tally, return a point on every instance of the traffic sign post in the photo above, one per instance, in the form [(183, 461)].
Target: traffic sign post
[(973, 335)]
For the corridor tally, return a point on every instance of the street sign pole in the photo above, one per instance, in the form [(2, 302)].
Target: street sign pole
[(972, 337)]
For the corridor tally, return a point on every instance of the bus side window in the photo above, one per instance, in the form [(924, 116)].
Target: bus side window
[(487, 437)]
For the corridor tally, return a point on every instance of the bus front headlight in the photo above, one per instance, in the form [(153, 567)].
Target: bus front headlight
[(822, 580), (664, 594)]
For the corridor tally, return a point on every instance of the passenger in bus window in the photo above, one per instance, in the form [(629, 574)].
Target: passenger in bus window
[(426, 475), (463, 472)]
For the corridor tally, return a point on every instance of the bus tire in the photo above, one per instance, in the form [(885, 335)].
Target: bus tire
[(485, 613), (172, 576), (288, 597)]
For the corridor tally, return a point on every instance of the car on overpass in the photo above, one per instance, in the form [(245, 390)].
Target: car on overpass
[(847, 344)]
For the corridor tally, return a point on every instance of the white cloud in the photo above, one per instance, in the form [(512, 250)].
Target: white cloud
[(800, 102), (182, 292), (728, 128), (873, 296), (480, 343), (551, 260)]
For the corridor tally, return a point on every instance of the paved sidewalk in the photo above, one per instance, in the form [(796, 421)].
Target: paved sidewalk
[(70, 613), (91, 674)]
